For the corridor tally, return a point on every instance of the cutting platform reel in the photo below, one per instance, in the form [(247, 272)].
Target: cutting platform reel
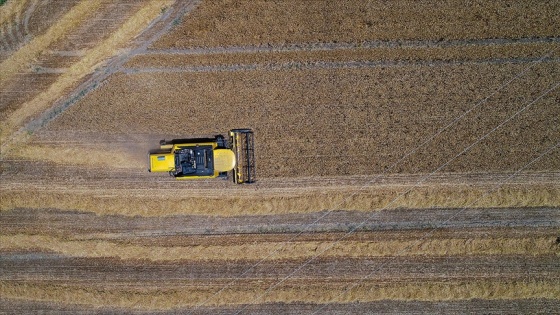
[(243, 145)]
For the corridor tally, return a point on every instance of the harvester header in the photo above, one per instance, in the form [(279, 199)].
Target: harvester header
[(199, 158)]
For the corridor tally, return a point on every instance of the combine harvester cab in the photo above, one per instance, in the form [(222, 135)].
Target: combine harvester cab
[(198, 158)]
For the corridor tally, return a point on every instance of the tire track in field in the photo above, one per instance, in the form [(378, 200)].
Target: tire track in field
[(522, 306), (26, 266), (332, 65), (349, 46), (84, 225), (315, 62)]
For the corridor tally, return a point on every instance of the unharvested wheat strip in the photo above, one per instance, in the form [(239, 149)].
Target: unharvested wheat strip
[(289, 22), (77, 71), (295, 250), (152, 298), (424, 87)]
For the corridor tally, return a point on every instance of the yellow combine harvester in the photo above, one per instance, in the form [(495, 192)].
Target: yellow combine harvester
[(199, 158)]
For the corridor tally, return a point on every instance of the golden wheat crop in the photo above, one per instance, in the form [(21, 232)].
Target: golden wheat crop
[(383, 110), (330, 122), (238, 23)]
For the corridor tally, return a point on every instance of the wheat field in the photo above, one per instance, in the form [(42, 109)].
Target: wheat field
[(407, 157)]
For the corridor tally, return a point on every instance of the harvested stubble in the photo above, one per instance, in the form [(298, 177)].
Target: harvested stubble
[(113, 269), (239, 23)]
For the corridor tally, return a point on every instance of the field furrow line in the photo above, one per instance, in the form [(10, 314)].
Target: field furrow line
[(331, 65), (38, 266), (177, 230), (367, 44)]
